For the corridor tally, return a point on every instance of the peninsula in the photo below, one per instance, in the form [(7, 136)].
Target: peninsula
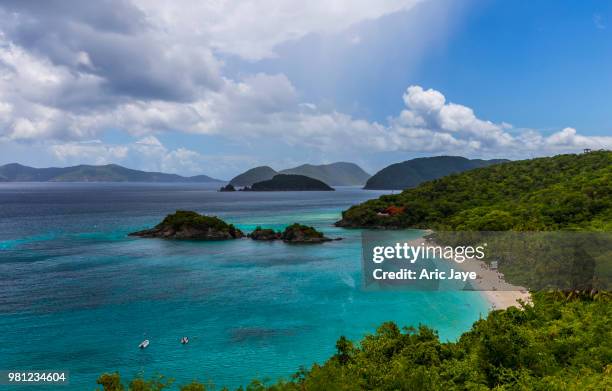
[(543, 194)]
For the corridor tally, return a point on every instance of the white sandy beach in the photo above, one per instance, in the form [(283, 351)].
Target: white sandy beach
[(494, 288), (499, 293)]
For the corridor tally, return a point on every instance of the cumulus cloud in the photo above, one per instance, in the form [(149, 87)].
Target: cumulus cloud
[(70, 70), (93, 152), (455, 123), (430, 123), (252, 29), (115, 41), (155, 50)]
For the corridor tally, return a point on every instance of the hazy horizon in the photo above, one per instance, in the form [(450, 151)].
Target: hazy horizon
[(204, 173)]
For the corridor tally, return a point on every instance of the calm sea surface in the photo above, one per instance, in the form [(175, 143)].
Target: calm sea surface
[(77, 294)]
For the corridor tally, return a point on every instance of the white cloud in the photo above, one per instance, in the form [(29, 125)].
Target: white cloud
[(419, 100), (93, 152), (29, 84), (252, 29), (264, 110), (568, 138), (431, 124), (74, 71), (149, 141)]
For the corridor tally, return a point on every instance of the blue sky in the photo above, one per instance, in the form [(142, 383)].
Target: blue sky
[(541, 64), (514, 61), (219, 88)]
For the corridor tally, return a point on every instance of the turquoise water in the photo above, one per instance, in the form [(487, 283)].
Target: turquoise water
[(77, 294)]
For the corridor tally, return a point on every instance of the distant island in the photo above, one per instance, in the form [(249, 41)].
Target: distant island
[(15, 172), (334, 174), (184, 224), (284, 182), (411, 173)]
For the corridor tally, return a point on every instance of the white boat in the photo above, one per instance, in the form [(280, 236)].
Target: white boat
[(144, 344)]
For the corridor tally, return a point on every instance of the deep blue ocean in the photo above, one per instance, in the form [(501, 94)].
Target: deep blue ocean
[(78, 294)]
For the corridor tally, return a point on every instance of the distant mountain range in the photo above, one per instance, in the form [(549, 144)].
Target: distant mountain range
[(413, 172), (85, 173), (394, 177), (334, 174)]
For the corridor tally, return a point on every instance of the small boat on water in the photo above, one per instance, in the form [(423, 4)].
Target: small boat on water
[(185, 340), (144, 344)]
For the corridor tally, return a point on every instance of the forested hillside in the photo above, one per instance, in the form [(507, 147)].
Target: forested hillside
[(561, 192), (412, 173)]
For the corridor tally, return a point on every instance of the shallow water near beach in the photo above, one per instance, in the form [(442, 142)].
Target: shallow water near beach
[(78, 294)]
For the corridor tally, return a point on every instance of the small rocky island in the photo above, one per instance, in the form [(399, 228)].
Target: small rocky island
[(228, 187), (295, 233), (289, 182), (190, 225), (298, 233), (264, 234)]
